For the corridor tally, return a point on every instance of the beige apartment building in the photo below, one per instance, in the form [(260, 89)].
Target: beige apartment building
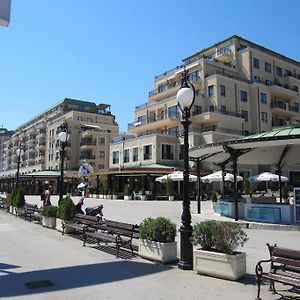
[(91, 128), (241, 88)]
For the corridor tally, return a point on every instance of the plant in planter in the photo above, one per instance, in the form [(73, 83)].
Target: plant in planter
[(217, 256), (49, 216), (19, 200), (65, 212), (157, 240), (12, 206), (143, 193), (285, 193), (170, 189), (115, 190), (127, 193)]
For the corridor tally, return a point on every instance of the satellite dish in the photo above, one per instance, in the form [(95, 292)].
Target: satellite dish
[(85, 170)]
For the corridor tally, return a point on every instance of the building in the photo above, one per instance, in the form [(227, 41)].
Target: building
[(91, 128), (241, 88), (4, 136), (5, 12)]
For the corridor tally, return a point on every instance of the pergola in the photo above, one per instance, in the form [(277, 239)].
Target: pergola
[(278, 147)]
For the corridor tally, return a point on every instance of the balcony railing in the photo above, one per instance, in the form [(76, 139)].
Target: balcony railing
[(87, 157), (284, 105), (215, 109), (88, 143)]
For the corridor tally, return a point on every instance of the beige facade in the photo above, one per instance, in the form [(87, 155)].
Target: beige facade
[(241, 88), (91, 128)]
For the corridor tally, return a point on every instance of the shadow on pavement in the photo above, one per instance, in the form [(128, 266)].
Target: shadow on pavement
[(43, 281)]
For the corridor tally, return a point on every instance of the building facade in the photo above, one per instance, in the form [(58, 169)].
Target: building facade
[(4, 136), (241, 88), (91, 128)]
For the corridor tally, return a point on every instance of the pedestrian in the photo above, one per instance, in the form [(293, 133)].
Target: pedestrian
[(48, 193), (78, 206)]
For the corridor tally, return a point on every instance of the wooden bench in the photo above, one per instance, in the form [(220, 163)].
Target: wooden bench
[(80, 223), (29, 212), (284, 268), (118, 233)]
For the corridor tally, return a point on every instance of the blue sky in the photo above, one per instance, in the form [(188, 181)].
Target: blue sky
[(110, 51)]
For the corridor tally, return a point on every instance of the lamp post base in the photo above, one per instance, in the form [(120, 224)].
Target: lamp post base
[(186, 249)]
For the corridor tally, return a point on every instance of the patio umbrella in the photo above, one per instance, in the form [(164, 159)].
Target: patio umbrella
[(81, 185), (267, 176), (217, 176), (175, 176)]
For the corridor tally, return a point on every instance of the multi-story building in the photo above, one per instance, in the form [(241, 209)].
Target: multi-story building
[(91, 128), (241, 88), (4, 136)]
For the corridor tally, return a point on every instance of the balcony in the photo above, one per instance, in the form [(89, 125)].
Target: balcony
[(41, 145), (168, 91), (284, 108), (152, 123), (224, 55), (212, 114), (283, 91), (87, 143)]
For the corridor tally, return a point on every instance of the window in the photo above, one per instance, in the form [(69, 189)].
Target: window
[(116, 157), (172, 131), (287, 73), (257, 79), (135, 152), (269, 83), (167, 151), (223, 109), (255, 63), (102, 141), (244, 96), (100, 167), (162, 88), (211, 108), (194, 76), (222, 90), (268, 67), (126, 155), (142, 119), (173, 111), (211, 91), (244, 114), (264, 117), (102, 154), (197, 110), (147, 152), (278, 71), (181, 151), (263, 98)]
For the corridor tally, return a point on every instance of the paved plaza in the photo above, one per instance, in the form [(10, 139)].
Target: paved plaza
[(64, 269)]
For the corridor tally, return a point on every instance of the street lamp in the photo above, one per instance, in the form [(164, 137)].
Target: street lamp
[(19, 153), (63, 137), (185, 99)]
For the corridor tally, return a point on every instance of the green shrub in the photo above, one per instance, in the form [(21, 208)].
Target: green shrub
[(13, 197), (49, 211), (214, 196), (218, 236), (19, 198), (285, 192), (246, 185), (66, 209), (126, 190), (158, 229)]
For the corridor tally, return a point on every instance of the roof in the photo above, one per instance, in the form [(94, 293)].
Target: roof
[(47, 173), (280, 145)]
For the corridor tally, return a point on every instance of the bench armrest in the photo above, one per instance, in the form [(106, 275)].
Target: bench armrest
[(259, 268)]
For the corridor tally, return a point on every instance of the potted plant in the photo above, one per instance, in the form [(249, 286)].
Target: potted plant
[(49, 216), (170, 189), (12, 207), (115, 190), (143, 193), (19, 201), (109, 194), (285, 194), (217, 256), (127, 194), (65, 212), (157, 240)]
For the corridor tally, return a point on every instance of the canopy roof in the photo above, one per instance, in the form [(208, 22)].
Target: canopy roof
[(281, 145)]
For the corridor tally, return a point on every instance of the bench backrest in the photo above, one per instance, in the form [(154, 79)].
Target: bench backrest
[(285, 256), (119, 227), (30, 206), (85, 219)]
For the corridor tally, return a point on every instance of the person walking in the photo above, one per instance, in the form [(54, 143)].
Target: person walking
[(48, 193)]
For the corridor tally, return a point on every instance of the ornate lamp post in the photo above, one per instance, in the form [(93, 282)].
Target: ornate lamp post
[(19, 153), (185, 99), (63, 137)]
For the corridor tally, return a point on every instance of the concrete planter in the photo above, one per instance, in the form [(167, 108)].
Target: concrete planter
[(143, 197), (109, 196), (220, 265), (127, 197), (115, 197), (171, 198), (59, 223), (162, 252), (49, 222), (12, 210), (101, 196)]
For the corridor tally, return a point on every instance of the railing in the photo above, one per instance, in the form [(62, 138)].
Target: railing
[(215, 128), (87, 143), (86, 156), (215, 109), (284, 105), (275, 83), (229, 76), (150, 104), (173, 70)]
